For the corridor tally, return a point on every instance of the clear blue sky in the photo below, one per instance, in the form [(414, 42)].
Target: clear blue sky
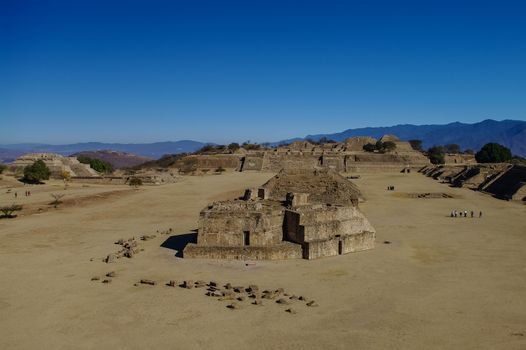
[(220, 71)]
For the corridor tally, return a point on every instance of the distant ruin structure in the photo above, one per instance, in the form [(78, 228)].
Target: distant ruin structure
[(57, 164), (297, 214), (347, 156), (502, 180)]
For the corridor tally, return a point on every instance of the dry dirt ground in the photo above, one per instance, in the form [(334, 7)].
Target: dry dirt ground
[(442, 283)]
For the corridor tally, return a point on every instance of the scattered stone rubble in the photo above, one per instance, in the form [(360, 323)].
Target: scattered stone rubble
[(131, 247)]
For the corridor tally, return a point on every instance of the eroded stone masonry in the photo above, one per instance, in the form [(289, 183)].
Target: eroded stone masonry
[(347, 156), (298, 213)]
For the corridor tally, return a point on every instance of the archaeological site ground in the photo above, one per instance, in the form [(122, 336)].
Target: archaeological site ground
[(298, 247)]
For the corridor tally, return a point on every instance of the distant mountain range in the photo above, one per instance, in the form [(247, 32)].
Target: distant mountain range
[(149, 150), (510, 133)]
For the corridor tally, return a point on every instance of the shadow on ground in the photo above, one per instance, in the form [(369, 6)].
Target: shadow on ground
[(179, 242)]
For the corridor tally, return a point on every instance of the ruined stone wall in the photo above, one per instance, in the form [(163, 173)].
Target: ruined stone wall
[(519, 193), (460, 159), (505, 185), (282, 251), (225, 224), (320, 249), (358, 242)]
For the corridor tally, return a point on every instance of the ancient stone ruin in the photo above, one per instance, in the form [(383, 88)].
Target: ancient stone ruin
[(298, 213), (57, 164), (502, 180), (347, 156)]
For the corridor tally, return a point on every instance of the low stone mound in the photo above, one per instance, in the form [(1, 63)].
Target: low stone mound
[(321, 184), (356, 143)]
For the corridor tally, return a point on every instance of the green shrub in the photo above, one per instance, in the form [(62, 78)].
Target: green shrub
[(436, 155), (96, 164), (36, 172), (416, 145), (493, 153), (135, 182)]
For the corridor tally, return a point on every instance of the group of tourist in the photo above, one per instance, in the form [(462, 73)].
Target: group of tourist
[(27, 194), (463, 214), (390, 188)]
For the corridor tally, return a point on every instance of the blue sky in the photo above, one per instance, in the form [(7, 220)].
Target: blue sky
[(220, 71)]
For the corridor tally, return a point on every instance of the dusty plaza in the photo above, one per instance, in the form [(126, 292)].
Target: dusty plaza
[(431, 281)]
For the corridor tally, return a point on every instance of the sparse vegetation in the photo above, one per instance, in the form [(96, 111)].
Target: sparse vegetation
[(517, 160), (3, 167), (233, 146), (56, 199), (220, 170), (135, 182), (96, 164), (436, 155), (416, 145), (452, 148), (36, 172), (7, 211), (251, 146), (380, 147), (493, 153)]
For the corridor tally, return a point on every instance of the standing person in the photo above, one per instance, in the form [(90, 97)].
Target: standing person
[(465, 213), (472, 213), (16, 194), (480, 214)]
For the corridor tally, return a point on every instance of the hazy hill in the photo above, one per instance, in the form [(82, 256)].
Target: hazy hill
[(510, 133), (150, 150), (9, 155), (115, 158)]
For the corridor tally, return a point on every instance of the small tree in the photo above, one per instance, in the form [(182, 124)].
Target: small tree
[(452, 148), (416, 145), (369, 147), (436, 155), (36, 172), (96, 164), (493, 153), (233, 146), (388, 146), (7, 211), (56, 199), (135, 182)]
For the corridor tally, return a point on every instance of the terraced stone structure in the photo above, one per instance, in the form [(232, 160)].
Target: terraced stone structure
[(347, 156), (502, 180), (297, 214), (58, 164)]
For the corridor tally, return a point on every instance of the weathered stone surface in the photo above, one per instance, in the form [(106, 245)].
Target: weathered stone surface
[(321, 220)]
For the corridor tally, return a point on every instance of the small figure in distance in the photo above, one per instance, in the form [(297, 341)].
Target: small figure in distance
[(480, 214), (472, 213)]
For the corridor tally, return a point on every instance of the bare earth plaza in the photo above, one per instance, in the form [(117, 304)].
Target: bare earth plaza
[(260, 257)]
